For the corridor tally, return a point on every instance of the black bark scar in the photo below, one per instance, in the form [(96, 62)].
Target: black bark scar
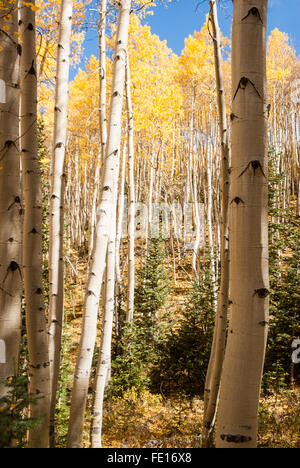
[(235, 438), (13, 266), (32, 70), (262, 293), (255, 12), (255, 165), (243, 84), (17, 201), (237, 200)]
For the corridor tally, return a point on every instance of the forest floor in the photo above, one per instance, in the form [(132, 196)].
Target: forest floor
[(151, 420)]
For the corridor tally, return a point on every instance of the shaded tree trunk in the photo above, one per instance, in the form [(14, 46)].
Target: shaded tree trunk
[(219, 340), (39, 374), (10, 197), (249, 282)]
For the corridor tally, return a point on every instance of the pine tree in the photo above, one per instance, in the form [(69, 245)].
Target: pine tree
[(14, 413), (284, 279), (184, 353), (132, 368), (152, 282)]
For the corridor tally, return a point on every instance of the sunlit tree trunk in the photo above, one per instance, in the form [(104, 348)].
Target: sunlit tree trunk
[(120, 217), (56, 262), (104, 361), (219, 340), (94, 203), (10, 197), (210, 221), (102, 116), (103, 79), (131, 201), (249, 282), (103, 229), (39, 374)]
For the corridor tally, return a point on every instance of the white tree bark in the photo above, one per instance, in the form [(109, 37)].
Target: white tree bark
[(104, 361), (103, 230), (249, 282), (103, 80), (56, 262), (210, 223), (131, 201), (102, 112), (120, 217), (10, 198), (39, 373), (213, 378)]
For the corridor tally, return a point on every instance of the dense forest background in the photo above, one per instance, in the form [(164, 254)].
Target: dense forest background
[(166, 278)]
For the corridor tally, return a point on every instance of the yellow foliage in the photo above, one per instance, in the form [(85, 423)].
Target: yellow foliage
[(281, 57)]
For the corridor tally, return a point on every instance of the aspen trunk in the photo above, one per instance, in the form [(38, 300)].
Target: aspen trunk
[(131, 201), (210, 223), (219, 340), (103, 229), (103, 81), (56, 263), (249, 282), (39, 374), (102, 112), (94, 203), (10, 198), (104, 362), (120, 216)]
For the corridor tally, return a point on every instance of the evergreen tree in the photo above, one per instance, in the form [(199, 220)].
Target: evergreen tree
[(184, 355), (132, 368), (14, 420), (284, 277)]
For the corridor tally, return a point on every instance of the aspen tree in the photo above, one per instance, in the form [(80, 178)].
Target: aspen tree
[(104, 361), (102, 109), (56, 263), (103, 80), (120, 216), (39, 374), (110, 272), (219, 341), (94, 202), (131, 200), (102, 233), (210, 219), (249, 282), (10, 194)]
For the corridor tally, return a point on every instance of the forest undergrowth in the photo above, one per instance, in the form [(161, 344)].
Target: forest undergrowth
[(147, 419)]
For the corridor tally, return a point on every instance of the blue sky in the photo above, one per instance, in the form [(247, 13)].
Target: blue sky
[(181, 18)]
